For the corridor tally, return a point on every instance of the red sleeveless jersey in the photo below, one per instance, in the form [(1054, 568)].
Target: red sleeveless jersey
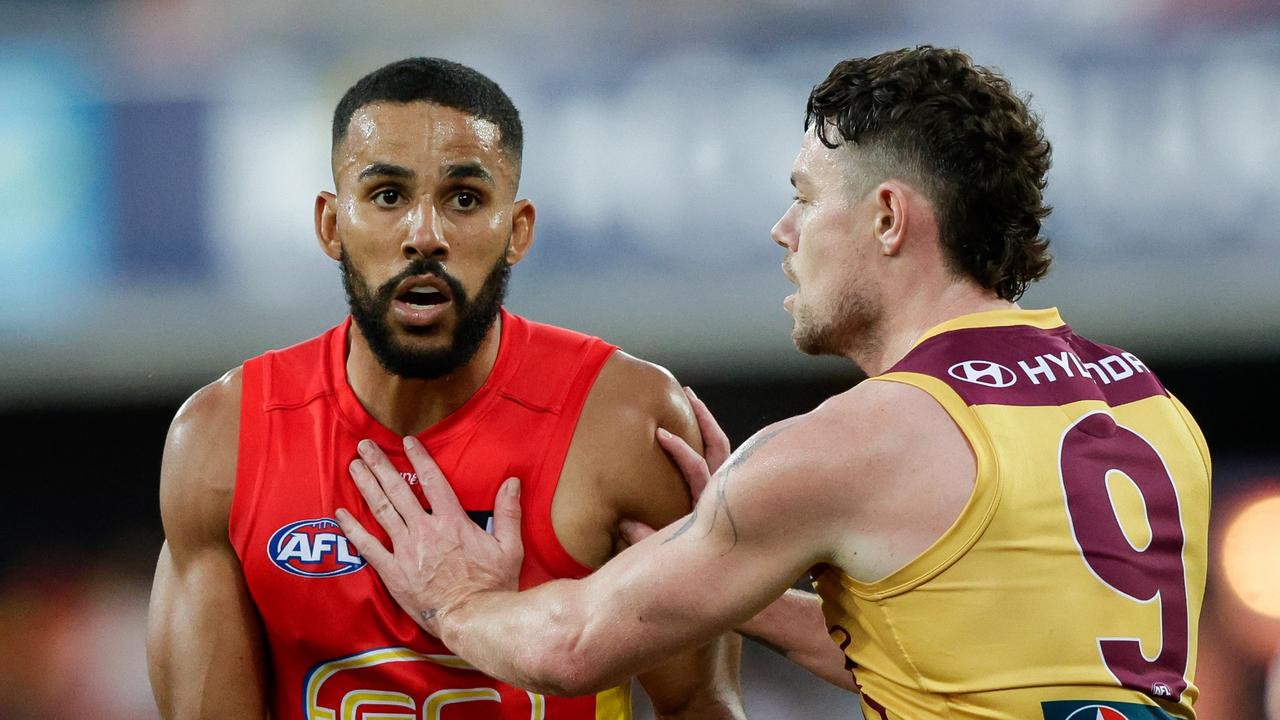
[(338, 646)]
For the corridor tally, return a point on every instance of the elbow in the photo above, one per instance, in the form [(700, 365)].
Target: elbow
[(557, 675), (569, 667), (567, 674)]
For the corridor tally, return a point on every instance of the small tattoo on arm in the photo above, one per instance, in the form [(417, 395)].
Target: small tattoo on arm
[(722, 501), (722, 486), (428, 615), (751, 446), (688, 523)]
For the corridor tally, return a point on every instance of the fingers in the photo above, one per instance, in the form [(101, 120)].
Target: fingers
[(366, 544), (691, 465), (396, 490), (506, 515), (434, 484), (376, 498), (633, 531), (714, 439)]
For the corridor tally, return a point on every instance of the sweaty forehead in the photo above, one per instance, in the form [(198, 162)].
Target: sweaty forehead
[(818, 165), (419, 135)]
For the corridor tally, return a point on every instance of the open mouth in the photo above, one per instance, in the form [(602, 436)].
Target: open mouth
[(423, 298)]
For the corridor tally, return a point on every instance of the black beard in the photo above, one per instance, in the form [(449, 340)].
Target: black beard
[(371, 311)]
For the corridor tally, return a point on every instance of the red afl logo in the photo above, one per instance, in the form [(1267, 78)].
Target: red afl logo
[(313, 548), (1097, 712), (983, 372)]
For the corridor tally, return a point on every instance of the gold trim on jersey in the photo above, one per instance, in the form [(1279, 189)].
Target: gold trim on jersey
[(1197, 434), (1046, 319), (975, 516), (614, 703)]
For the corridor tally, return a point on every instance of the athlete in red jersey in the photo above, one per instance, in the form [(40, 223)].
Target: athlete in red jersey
[(260, 605)]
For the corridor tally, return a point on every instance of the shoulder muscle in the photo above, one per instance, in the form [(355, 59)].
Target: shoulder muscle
[(631, 399), (197, 476)]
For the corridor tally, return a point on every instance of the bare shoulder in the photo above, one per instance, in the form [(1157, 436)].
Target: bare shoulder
[(887, 419), (850, 457), (878, 472), (615, 468), (641, 393), (197, 475)]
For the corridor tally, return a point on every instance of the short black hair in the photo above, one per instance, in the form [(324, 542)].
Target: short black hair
[(982, 153), (438, 81)]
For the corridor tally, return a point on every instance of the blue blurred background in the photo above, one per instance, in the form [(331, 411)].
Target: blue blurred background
[(159, 159)]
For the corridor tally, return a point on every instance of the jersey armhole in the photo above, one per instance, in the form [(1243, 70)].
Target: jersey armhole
[(974, 517), (1197, 434), (543, 532)]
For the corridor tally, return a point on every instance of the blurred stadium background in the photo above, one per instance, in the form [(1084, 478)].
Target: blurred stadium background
[(158, 161)]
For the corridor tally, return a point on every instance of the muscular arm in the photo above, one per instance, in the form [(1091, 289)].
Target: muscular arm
[(631, 478), (204, 644)]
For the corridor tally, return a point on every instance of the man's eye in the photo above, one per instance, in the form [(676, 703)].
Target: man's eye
[(465, 200), (386, 198)]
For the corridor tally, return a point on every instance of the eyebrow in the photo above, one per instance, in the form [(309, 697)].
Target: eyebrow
[(380, 169), (468, 170)]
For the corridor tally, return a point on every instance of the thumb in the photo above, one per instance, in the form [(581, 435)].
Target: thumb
[(633, 531), (506, 516)]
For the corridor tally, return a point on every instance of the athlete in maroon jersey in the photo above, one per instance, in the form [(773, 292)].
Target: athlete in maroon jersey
[(260, 604)]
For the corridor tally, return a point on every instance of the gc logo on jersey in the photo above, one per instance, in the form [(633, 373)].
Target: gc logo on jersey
[(313, 548), (1099, 710), (983, 372)]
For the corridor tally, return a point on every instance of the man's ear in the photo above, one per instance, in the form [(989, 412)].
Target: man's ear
[(891, 217), (327, 224), (523, 216)]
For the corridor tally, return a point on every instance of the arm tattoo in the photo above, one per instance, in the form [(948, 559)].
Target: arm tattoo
[(688, 523), (722, 497)]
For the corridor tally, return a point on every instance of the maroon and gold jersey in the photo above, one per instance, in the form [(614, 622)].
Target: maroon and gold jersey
[(338, 646), (1070, 586)]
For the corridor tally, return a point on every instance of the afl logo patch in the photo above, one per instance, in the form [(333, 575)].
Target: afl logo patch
[(313, 548), (983, 372)]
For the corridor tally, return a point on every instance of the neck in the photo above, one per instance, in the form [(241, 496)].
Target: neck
[(407, 406), (905, 321)]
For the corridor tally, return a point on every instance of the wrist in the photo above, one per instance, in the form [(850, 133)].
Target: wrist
[(447, 620)]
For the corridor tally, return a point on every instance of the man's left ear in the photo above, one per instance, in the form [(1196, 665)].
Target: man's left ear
[(523, 216), (891, 217)]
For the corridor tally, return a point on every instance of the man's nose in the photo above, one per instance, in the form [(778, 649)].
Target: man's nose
[(426, 233), (783, 231)]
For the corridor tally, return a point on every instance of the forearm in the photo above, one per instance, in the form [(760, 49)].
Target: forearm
[(793, 626), (544, 639), (574, 637)]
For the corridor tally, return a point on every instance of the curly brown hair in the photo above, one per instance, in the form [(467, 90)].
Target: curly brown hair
[(934, 118)]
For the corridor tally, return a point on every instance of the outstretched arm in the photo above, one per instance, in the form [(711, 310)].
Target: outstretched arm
[(741, 547)]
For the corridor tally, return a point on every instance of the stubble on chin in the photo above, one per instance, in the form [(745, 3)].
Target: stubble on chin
[(850, 330)]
